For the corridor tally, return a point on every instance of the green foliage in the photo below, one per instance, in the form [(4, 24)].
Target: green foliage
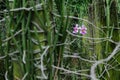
[(36, 37)]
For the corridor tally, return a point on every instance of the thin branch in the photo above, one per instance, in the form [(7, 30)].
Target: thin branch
[(69, 71), (37, 26), (42, 65), (105, 38), (2, 57), (38, 7), (24, 57), (9, 38), (93, 67), (2, 20), (6, 73), (25, 76), (72, 56)]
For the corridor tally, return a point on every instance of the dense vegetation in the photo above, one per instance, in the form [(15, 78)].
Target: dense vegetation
[(59, 39)]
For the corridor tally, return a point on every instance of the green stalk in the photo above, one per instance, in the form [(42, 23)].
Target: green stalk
[(61, 39), (30, 50), (108, 25), (49, 35), (38, 16)]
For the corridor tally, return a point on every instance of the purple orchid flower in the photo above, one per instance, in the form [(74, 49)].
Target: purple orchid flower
[(76, 28), (83, 30)]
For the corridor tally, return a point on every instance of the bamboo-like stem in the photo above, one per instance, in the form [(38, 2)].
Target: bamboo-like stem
[(108, 24)]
